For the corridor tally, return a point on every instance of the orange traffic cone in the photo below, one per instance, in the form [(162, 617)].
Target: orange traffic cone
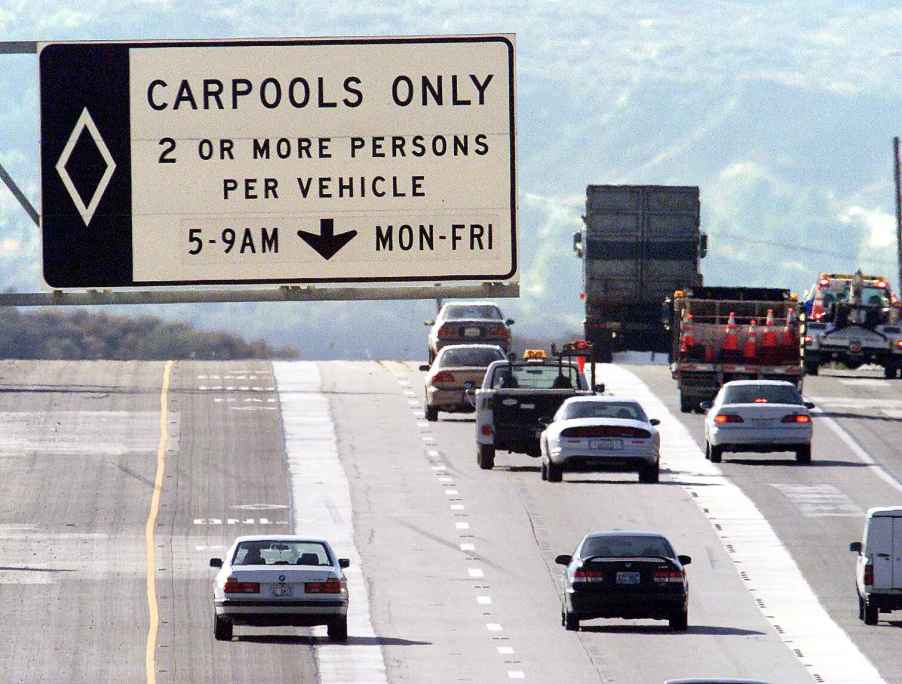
[(750, 348), (729, 347), (789, 343), (769, 339)]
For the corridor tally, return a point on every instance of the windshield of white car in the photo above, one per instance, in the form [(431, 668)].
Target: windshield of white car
[(277, 552), (629, 410), (458, 357), (624, 546), (761, 394), (536, 376), (461, 312)]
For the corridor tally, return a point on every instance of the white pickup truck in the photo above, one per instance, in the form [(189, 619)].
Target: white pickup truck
[(517, 399)]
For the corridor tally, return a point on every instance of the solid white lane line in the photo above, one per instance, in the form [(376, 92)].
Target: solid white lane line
[(322, 507), (781, 591)]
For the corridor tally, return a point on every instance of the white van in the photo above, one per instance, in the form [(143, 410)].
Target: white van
[(878, 575)]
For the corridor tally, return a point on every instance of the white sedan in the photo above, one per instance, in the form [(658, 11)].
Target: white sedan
[(280, 580), (599, 433), (759, 416)]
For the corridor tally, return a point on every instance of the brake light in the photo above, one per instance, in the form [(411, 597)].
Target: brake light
[(499, 331), (606, 431), (823, 282), (723, 418), (233, 586), (881, 284), (665, 575), (898, 344), (869, 574), (447, 330), (808, 339), (486, 430), (760, 400), (800, 418), (442, 376), (330, 586), (585, 574)]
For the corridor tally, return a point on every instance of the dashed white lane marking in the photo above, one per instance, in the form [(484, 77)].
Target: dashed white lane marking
[(322, 500), (457, 507), (516, 674), (452, 492), (781, 592), (467, 547), (462, 525), (505, 650), (819, 501), (864, 382), (475, 572), (494, 627), (484, 600)]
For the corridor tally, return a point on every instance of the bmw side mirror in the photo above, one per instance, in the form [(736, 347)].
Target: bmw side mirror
[(216, 562), (705, 405), (684, 560), (809, 404), (509, 321), (563, 559), (344, 562), (424, 367), (654, 421), (855, 546)]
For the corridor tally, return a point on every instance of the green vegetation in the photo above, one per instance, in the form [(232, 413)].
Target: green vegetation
[(86, 335)]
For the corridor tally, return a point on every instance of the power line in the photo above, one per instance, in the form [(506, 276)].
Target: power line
[(807, 250)]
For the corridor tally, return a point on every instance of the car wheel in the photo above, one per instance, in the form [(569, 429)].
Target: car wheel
[(222, 629), (803, 454), (544, 471), (716, 453), (811, 368), (686, 403), (707, 451), (338, 630), (485, 457), (860, 608), (870, 614), (554, 472), (649, 474), (679, 620), (571, 622), (431, 413)]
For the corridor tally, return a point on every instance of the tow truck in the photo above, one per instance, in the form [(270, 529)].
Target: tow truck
[(851, 319), (519, 397)]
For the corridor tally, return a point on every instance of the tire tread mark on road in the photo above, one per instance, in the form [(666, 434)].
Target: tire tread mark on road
[(150, 532)]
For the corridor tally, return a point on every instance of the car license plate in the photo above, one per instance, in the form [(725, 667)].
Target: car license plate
[(761, 422), (855, 346), (281, 590), (612, 444), (472, 332), (627, 578)]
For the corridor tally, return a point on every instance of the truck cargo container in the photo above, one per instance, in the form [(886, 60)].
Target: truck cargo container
[(638, 244)]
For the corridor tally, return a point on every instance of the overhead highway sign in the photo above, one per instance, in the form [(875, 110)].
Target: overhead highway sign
[(376, 160)]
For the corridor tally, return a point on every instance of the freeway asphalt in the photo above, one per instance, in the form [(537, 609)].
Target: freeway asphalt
[(457, 562)]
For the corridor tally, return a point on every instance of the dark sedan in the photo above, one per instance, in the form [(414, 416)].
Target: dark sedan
[(622, 574)]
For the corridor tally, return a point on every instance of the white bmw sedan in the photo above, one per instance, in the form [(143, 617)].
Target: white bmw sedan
[(600, 433), (759, 416), (280, 580)]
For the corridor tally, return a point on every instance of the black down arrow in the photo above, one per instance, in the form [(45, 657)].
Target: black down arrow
[(327, 243)]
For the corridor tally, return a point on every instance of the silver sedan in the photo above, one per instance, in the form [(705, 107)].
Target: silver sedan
[(280, 580)]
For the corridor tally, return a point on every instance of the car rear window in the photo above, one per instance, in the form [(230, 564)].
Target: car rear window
[(761, 394), (535, 376), (624, 546), (460, 312), (278, 552), (629, 410), (451, 357)]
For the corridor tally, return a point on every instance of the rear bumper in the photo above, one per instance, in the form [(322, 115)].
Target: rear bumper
[(589, 462), (452, 401), (885, 601), (299, 613), (589, 605), (505, 344), (740, 439)]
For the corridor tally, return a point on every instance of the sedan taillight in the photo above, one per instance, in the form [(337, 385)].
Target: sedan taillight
[(498, 331), (800, 418), (329, 586), (233, 586), (584, 574), (442, 376), (666, 575), (869, 575), (723, 418), (446, 330)]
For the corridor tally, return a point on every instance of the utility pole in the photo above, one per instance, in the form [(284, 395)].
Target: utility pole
[(898, 209)]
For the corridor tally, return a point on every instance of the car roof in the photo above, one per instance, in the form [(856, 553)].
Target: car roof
[(470, 346), (714, 680), (885, 511), (279, 537), (624, 533), (599, 399), (737, 383)]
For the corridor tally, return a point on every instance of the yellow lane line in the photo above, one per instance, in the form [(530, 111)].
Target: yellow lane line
[(150, 530)]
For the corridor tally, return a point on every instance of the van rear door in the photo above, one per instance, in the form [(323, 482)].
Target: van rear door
[(897, 552), (880, 550)]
